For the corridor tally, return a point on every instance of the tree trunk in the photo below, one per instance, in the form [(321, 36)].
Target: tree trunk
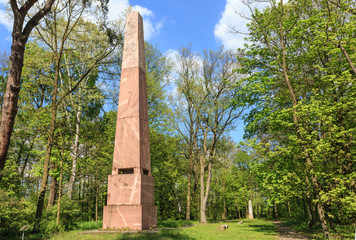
[(75, 155), (26, 160), (10, 99), (289, 211), (60, 192), (223, 216), (204, 193), (187, 215), (202, 205), (20, 152), (52, 192), (45, 171), (308, 158), (50, 142), (96, 195), (11, 95), (275, 211)]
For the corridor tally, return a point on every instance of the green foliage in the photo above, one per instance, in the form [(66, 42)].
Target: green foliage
[(166, 168), (14, 213), (70, 215), (158, 70), (15, 209), (301, 92)]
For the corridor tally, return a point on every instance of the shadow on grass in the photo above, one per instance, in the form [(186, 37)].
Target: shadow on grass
[(266, 229), (173, 223), (162, 234), (28, 236)]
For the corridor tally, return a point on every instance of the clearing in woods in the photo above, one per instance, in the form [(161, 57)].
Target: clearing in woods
[(250, 229)]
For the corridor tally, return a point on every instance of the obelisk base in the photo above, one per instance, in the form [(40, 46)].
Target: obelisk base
[(134, 217)]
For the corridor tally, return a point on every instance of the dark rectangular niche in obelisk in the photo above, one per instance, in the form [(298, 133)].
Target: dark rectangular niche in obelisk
[(130, 200)]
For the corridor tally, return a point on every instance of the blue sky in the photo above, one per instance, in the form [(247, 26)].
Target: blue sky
[(170, 24)]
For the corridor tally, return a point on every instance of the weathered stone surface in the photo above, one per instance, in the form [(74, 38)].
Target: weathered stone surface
[(132, 147), (135, 217), (132, 189), (134, 47), (130, 201)]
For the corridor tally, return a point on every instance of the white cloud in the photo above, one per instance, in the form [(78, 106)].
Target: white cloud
[(145, 12), (172, 55), (232, 17), (159, 25), (150, 29), (116, 7)]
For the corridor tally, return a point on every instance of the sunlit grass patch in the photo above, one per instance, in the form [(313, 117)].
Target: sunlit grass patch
[(250, 229)]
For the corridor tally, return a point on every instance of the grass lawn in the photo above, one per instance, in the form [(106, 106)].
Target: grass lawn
[(250, 229)]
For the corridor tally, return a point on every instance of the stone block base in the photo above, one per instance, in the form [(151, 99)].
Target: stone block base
[(134, 217), (130, 189)]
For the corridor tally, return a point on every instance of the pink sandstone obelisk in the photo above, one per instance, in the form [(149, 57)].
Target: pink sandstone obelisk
[(130, 200)]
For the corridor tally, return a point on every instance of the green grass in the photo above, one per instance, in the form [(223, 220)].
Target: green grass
[(89, 225), (250, 229)]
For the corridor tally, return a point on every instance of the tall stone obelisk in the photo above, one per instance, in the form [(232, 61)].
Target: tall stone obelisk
[(130, 200)]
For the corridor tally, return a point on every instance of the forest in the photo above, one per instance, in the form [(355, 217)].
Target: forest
[(292, 85)]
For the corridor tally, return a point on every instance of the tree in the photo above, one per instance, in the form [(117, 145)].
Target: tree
[(20, 34), (298, 82), (209, 99), (56, 35), (216, 115), (186, 125), (158, 70)]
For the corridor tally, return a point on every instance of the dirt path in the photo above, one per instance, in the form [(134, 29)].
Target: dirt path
[(287, 233)]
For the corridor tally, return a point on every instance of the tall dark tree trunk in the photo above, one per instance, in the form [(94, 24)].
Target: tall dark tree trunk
[(53, 191), (11, 96), (20, 35)]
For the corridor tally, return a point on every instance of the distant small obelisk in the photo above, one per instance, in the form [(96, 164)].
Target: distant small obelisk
[(250, 210), (130, 200)]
